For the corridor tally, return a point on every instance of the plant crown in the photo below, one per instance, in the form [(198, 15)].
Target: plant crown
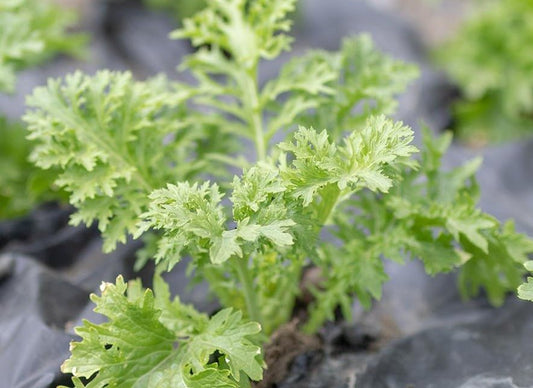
[(155, 159)]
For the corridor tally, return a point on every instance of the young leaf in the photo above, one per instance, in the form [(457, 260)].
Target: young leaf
[(191, 217), (241, 29), (361, 161), (366, 84)]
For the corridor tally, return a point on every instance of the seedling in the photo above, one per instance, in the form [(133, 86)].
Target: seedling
[(155, 160)]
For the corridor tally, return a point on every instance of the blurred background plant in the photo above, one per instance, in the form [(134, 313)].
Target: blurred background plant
[(31, 32), (491, 62), (179, 9), (22, 185)]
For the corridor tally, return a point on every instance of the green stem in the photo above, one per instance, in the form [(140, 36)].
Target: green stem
[(231, 161), (332, 193), (259, 139), (250, 297), (254, 111)]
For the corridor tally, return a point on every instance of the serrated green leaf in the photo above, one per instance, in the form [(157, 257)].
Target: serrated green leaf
[(471, 228), (225, 246), (110, 136), (227, 334), (253, 189), (191, 217), (135, 348), (361, 161), (366, 84), (311, 73), (241, 30), (525, 291), (277, 232)]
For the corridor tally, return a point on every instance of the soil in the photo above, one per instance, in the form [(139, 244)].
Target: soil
[(285, 345)]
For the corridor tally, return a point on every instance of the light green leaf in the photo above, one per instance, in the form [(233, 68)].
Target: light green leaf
[(253, 189), (110, 136), (311, 73), (135, 348), (366, 84), (471, 228), (362, 161), (277, 232), (191, 217), (241, 30), (525, 291), (225, 246)]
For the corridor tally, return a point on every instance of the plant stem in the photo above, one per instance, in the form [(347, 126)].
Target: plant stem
[(250, 297), (255, 117), (326, 208), (250, 101)]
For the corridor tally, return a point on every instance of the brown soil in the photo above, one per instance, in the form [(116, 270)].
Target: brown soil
[(285, 344)]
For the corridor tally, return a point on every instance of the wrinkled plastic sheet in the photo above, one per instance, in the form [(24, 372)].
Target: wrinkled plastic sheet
[(36, 307)]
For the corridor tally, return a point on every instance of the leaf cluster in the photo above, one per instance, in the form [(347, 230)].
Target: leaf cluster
[(488, 61), (278, 208), (429, 214)]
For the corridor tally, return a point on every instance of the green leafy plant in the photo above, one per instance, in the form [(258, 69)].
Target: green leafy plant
[(158, 160), (487, 61), (31, 31)]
